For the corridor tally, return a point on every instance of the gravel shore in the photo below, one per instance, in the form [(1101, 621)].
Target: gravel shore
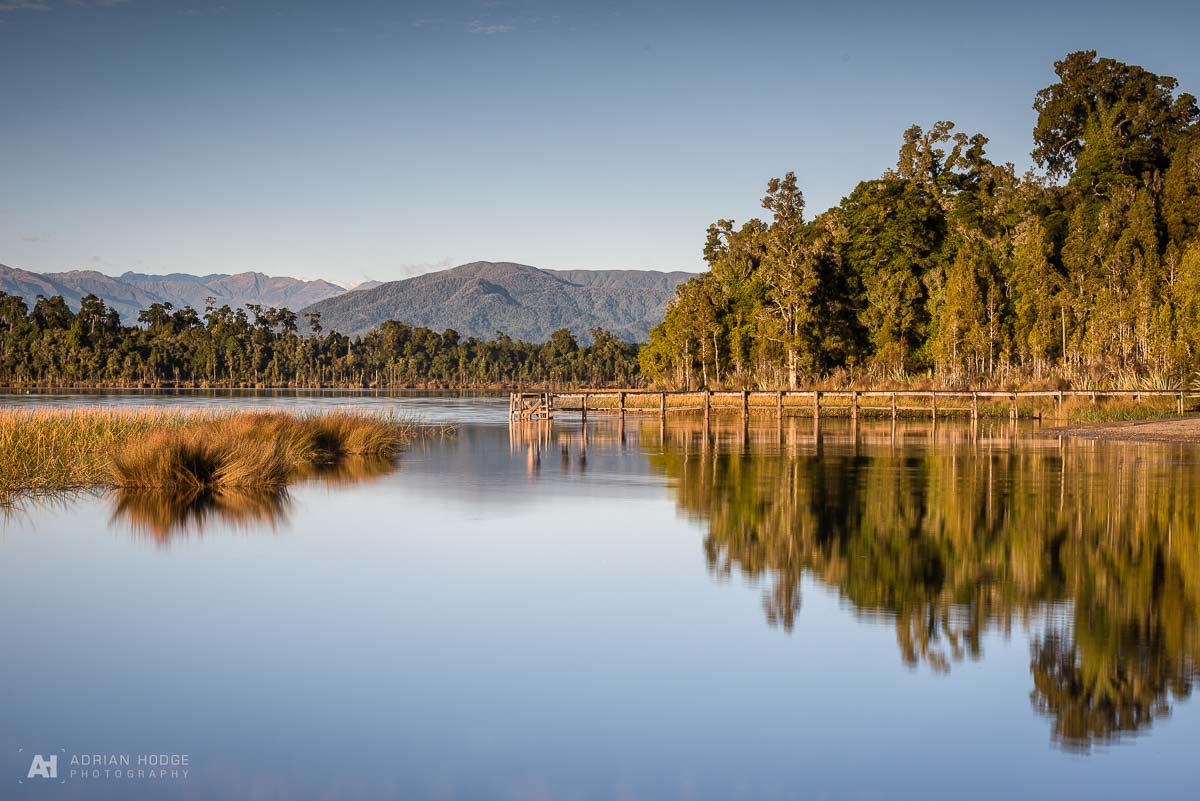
[(1173, 429)]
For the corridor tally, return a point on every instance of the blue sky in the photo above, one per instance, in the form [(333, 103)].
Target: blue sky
[(356, 140)]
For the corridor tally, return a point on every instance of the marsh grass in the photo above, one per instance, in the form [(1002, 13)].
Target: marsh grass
[(1080, 410), (43, 452)]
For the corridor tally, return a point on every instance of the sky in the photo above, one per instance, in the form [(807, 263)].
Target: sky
[(355, 140)]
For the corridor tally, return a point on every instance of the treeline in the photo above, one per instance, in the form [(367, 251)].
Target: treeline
[(50, 344), (958, 268)]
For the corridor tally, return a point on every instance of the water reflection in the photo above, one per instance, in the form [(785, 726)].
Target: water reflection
[(163, 514), (566, 446), (948, 533), (470, 627), (1093, 546)]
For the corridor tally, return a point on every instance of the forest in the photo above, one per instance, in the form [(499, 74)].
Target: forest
[(955, 269), (50, 344)]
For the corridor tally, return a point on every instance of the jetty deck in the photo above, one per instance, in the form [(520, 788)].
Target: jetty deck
[(545, 405)]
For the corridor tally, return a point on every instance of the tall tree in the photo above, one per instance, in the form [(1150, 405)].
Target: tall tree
[(1104, 118)]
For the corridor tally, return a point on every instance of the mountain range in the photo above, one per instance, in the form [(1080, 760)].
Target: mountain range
[(483, 298), (477, 299), (132, 292)]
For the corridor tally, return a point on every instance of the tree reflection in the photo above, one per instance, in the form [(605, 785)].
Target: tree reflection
[(953, 541)]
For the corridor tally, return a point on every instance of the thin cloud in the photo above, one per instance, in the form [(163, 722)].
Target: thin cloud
[(479, 27), (31, 238), (23, 5), (410, 269), (40, 5)]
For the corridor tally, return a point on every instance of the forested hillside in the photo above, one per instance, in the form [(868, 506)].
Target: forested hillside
[(49, 344), (481, 298)]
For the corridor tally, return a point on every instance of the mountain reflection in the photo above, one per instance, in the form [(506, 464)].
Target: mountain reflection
[(1094, 546), (163, 514)]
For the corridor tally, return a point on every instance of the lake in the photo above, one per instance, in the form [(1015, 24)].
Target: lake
[(622, 611)]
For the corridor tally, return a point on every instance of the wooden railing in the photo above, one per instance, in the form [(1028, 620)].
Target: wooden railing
[(544, 405)]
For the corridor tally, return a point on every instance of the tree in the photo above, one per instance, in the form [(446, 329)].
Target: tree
[(1038, 304), (157, 316), (895, 235), (962, 340), (1104, 118)]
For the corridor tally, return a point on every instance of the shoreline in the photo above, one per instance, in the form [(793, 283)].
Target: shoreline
[(1174, 430)]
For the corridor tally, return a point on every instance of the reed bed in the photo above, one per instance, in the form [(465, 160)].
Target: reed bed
[(44, 452), (1079, 410)]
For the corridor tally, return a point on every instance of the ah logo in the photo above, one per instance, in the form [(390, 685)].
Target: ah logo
[(43, 768)]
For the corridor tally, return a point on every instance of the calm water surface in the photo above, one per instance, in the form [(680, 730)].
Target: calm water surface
[(633, 611)]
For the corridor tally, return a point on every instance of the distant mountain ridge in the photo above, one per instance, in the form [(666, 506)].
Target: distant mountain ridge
[(477, 299), (132, 292), (482, 298)]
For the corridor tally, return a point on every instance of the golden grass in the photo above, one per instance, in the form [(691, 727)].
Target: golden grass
[(53, 451), (1081, 410)]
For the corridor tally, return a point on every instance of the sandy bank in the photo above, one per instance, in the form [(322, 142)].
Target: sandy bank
[(1172, 429)]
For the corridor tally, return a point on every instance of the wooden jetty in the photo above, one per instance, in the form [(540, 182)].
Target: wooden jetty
[(530, 406), (781, 403)]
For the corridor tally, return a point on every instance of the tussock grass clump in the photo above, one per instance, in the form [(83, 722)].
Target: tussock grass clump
[(53, 451), (252, 450)]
